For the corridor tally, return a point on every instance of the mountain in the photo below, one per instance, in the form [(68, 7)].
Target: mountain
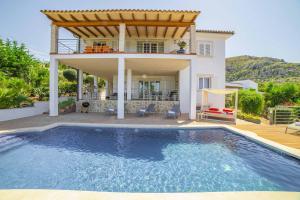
[(261, 69)]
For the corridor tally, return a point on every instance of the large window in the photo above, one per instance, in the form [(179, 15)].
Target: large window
[(205, 48), (150, 47), (204, 82), (147, 89)]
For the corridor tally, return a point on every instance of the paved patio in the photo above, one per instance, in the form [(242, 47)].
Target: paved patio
[(274, 133)]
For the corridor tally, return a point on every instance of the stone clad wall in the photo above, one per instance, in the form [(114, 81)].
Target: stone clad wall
[(130, 106)]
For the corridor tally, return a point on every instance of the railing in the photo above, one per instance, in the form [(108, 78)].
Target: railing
[(165, 95), (284, 114), (68, 46), (71, 46)]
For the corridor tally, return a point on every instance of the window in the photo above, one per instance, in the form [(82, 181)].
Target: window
[(204, 82), (150, 47), (205, 48), (146, 47)]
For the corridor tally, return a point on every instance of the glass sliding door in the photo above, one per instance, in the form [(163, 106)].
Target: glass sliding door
[(149, 89), (150, 47)]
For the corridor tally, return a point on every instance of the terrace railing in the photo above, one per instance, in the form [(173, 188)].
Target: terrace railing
[(68, 46)]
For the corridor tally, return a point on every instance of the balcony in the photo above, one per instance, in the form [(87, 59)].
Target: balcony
[(140, 46)]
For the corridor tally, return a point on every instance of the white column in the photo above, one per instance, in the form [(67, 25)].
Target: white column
[(129, 81), (53, 101), (106, 88), (122, 29), (54, 38), (121, 79), (193, 89), (193, 39), (79, 83), (96, 86)]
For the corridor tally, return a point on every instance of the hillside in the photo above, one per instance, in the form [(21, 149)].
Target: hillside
[(261, 69)]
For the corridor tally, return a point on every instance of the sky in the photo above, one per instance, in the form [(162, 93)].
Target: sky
[(263, 27)]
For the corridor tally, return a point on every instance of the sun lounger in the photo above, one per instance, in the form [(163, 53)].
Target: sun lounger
[(225, 114), (294, 126), (174, 112), (145, 111)]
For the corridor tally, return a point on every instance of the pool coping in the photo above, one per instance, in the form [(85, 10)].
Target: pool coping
[(88, 195), (248, 134), (32, 194)]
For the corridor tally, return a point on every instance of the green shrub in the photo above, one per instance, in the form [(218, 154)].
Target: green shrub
[(67, 88), (280, 94), (70, 75), (66, 103), (249, 117), (89, 79), (251, 102)]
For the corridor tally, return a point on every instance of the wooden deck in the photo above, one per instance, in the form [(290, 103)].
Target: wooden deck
[(275, 133)]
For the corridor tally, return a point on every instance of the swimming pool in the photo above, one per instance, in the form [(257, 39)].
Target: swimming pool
[(143, 160)]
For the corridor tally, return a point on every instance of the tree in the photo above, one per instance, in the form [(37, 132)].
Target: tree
[(70, 75), (251, 102)]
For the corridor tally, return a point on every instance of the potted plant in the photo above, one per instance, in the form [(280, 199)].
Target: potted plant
[(182, 45)]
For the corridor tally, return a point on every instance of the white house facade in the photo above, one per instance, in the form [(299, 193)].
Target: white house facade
[(137, 52), (247, 84)]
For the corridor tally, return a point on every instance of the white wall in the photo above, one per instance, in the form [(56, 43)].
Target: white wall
[(213, 67), (247, 84), (15, 113)]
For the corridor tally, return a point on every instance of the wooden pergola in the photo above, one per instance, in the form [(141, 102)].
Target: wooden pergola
[(139, 23)]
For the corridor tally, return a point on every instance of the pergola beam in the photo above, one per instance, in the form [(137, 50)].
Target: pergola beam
[(128, 32), (99, 31), (110, 33), (109, 17), (61, 18), (157, 19), (85, 18), (127, 22), (90, 31), (74, 18), (80, 31), (165, 33), (146, 27), (187, 28), (136, 28), (176, 29), (97, 17), (116, 28), (122, 19)]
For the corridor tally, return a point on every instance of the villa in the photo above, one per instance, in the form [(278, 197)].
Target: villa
[(137, 53)]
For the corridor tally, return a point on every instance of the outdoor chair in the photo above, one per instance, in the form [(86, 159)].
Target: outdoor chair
[(111, 111), (174, 112), (294, 126), (145, 111)]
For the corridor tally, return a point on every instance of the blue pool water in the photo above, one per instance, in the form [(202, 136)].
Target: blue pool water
[(143, 160)]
